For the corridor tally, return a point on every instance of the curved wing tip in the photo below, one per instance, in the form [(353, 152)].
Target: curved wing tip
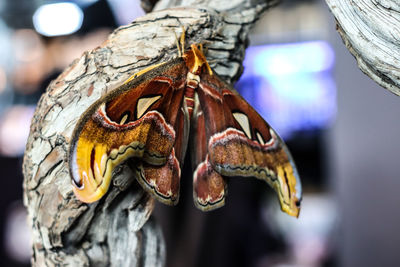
[(293, 210)]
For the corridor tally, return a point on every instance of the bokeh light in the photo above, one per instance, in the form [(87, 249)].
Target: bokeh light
[(58, 19)]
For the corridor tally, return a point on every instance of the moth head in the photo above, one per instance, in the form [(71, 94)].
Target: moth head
[(195, 60)]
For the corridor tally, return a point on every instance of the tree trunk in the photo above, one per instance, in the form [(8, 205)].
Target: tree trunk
[(370, 30), (118, 230)]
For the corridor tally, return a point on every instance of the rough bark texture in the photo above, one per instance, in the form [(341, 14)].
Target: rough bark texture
[(370, 30), (117, 230)]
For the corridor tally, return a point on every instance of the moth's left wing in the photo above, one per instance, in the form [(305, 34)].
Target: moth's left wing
[(136, 120), (241, 143)]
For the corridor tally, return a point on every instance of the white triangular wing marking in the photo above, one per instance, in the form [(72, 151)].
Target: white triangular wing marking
[(260, 138), (144, 103), (124, 118), (243, 121)]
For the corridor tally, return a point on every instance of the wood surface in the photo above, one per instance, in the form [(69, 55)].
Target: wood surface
[(370, 29)]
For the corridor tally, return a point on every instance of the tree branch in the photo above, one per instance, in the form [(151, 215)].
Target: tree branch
[(370, 30), (116, 231)]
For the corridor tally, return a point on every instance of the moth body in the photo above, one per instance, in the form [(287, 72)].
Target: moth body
[(192, 82)]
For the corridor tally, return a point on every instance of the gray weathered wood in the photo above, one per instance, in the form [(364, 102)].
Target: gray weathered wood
[(118, 229), (370, 30)]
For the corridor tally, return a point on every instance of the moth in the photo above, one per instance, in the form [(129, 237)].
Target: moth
[(156, 114)]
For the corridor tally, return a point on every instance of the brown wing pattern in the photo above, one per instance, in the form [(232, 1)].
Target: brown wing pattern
[(147, 119), (136, 120), (241, 143), (209, 187)]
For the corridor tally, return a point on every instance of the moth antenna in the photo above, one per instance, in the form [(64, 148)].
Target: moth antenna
[(178, 46), (182, 40), (213, 63), (202, 48)]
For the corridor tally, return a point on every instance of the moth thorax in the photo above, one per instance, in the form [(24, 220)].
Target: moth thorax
[(192, 83), (192, 80)]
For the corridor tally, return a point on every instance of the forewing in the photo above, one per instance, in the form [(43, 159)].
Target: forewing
[(136, 120)]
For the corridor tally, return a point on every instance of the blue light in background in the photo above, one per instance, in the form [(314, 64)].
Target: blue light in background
[(286, 59), (291, 85), (125, 11)]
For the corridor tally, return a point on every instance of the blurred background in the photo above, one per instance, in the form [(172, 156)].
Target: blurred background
[(339, 125)]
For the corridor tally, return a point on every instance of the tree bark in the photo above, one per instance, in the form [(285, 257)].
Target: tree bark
[(118, 230), (370, 30)]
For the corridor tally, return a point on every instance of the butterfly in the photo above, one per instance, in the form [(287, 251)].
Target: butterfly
[(156, 114)]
